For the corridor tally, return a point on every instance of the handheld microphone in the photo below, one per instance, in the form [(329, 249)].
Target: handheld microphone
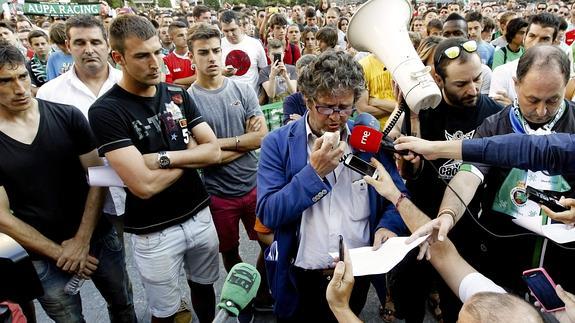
[(366, 119), (239, 289), (366, 139)]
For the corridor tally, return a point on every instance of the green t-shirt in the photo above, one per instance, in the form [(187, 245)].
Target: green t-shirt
[(505, 55)]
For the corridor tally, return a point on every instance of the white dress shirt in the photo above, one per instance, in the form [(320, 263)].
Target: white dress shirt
[(69, 89), (344, 210)]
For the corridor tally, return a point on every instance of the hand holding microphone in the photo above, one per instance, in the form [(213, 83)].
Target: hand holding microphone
[(366, 137), (326, 153)]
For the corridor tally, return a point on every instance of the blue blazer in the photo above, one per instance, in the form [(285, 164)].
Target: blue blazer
[(286, 186)]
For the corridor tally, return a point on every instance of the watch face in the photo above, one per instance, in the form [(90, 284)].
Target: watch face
[(164, 162)]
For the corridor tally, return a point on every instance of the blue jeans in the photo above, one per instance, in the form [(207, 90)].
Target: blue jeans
[(111, 279)]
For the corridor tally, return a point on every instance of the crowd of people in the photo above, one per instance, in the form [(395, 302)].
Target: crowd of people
[(174, 102)]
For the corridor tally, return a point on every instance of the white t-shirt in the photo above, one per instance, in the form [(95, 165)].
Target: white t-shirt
[(502, 79), (476, 283), (255, 51)]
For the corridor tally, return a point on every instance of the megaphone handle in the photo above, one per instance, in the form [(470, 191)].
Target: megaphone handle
[(395, 118)]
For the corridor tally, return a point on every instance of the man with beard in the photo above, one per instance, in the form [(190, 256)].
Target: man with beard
[(540, 109), (458, 73)]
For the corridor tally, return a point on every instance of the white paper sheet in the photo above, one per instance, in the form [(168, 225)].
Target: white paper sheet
[(104, 176), (368, 262), (558, 232)]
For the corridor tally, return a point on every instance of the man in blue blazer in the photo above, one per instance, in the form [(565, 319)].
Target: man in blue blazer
[(308, 198)]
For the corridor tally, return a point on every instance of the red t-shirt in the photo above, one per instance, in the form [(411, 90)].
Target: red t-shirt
[(570, 37), (180, 66)]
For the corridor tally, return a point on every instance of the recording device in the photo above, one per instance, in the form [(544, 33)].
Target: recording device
[(366, 119), (240, 288), (549, 201), (360, 166), (543, 288), (366, 139), (341, 251), (331, 139), (277, 57)]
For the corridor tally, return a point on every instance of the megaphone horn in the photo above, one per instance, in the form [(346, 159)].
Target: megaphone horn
[(380, 27)]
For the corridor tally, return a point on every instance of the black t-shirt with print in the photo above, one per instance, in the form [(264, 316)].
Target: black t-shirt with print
[(445, 123), (152, 124), (45, 181), (503, 259)]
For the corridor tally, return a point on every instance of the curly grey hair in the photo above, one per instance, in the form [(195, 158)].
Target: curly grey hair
[(330, 73)]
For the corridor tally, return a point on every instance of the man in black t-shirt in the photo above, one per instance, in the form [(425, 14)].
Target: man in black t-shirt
[(460, 112), (46, 204), (154, 136)]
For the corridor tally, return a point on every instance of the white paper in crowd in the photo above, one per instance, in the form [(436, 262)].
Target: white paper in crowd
[(104, 176), (558, 232), (368, 262)]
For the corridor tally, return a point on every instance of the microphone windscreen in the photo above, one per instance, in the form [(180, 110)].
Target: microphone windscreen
[(240, 288), (365, 139), (366, 119)]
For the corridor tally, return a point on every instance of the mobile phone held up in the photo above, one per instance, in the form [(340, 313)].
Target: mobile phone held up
[(543, 288), (360, 166), (277, 57)]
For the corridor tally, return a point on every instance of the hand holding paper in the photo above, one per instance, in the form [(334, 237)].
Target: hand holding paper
[(369, 262)]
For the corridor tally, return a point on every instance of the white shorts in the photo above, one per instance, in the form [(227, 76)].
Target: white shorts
[(159, 258)]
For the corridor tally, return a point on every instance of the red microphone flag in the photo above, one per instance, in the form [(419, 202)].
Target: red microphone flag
[(365, 139)]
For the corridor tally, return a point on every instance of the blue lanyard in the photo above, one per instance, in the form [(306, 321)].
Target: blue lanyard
[(519, 125)]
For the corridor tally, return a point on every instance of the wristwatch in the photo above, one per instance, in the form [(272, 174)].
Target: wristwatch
[(164, 160)]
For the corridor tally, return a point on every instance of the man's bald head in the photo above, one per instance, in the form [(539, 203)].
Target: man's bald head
[(544, 57), (498, 308)]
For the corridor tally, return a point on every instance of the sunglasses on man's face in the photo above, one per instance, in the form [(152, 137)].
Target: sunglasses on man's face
[(540, 8), (552, 10), (453, 52)]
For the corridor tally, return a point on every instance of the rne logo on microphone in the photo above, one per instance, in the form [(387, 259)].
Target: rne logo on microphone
[(365, 137)]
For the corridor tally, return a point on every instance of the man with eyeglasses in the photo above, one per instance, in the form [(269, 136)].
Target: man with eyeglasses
[(463, 108), (541, 7), (308, 197), (540, 109), (553, 8)]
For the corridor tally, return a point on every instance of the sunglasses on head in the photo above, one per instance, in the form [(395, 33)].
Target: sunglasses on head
[(453, 52)]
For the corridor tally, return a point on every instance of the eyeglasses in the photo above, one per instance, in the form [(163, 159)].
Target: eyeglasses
[(330, 109), (469, 46)]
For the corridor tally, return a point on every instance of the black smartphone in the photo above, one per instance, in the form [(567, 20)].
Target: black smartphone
[(277, 57), (341, 251), (543, 288), (541, 197), (360, 166)]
